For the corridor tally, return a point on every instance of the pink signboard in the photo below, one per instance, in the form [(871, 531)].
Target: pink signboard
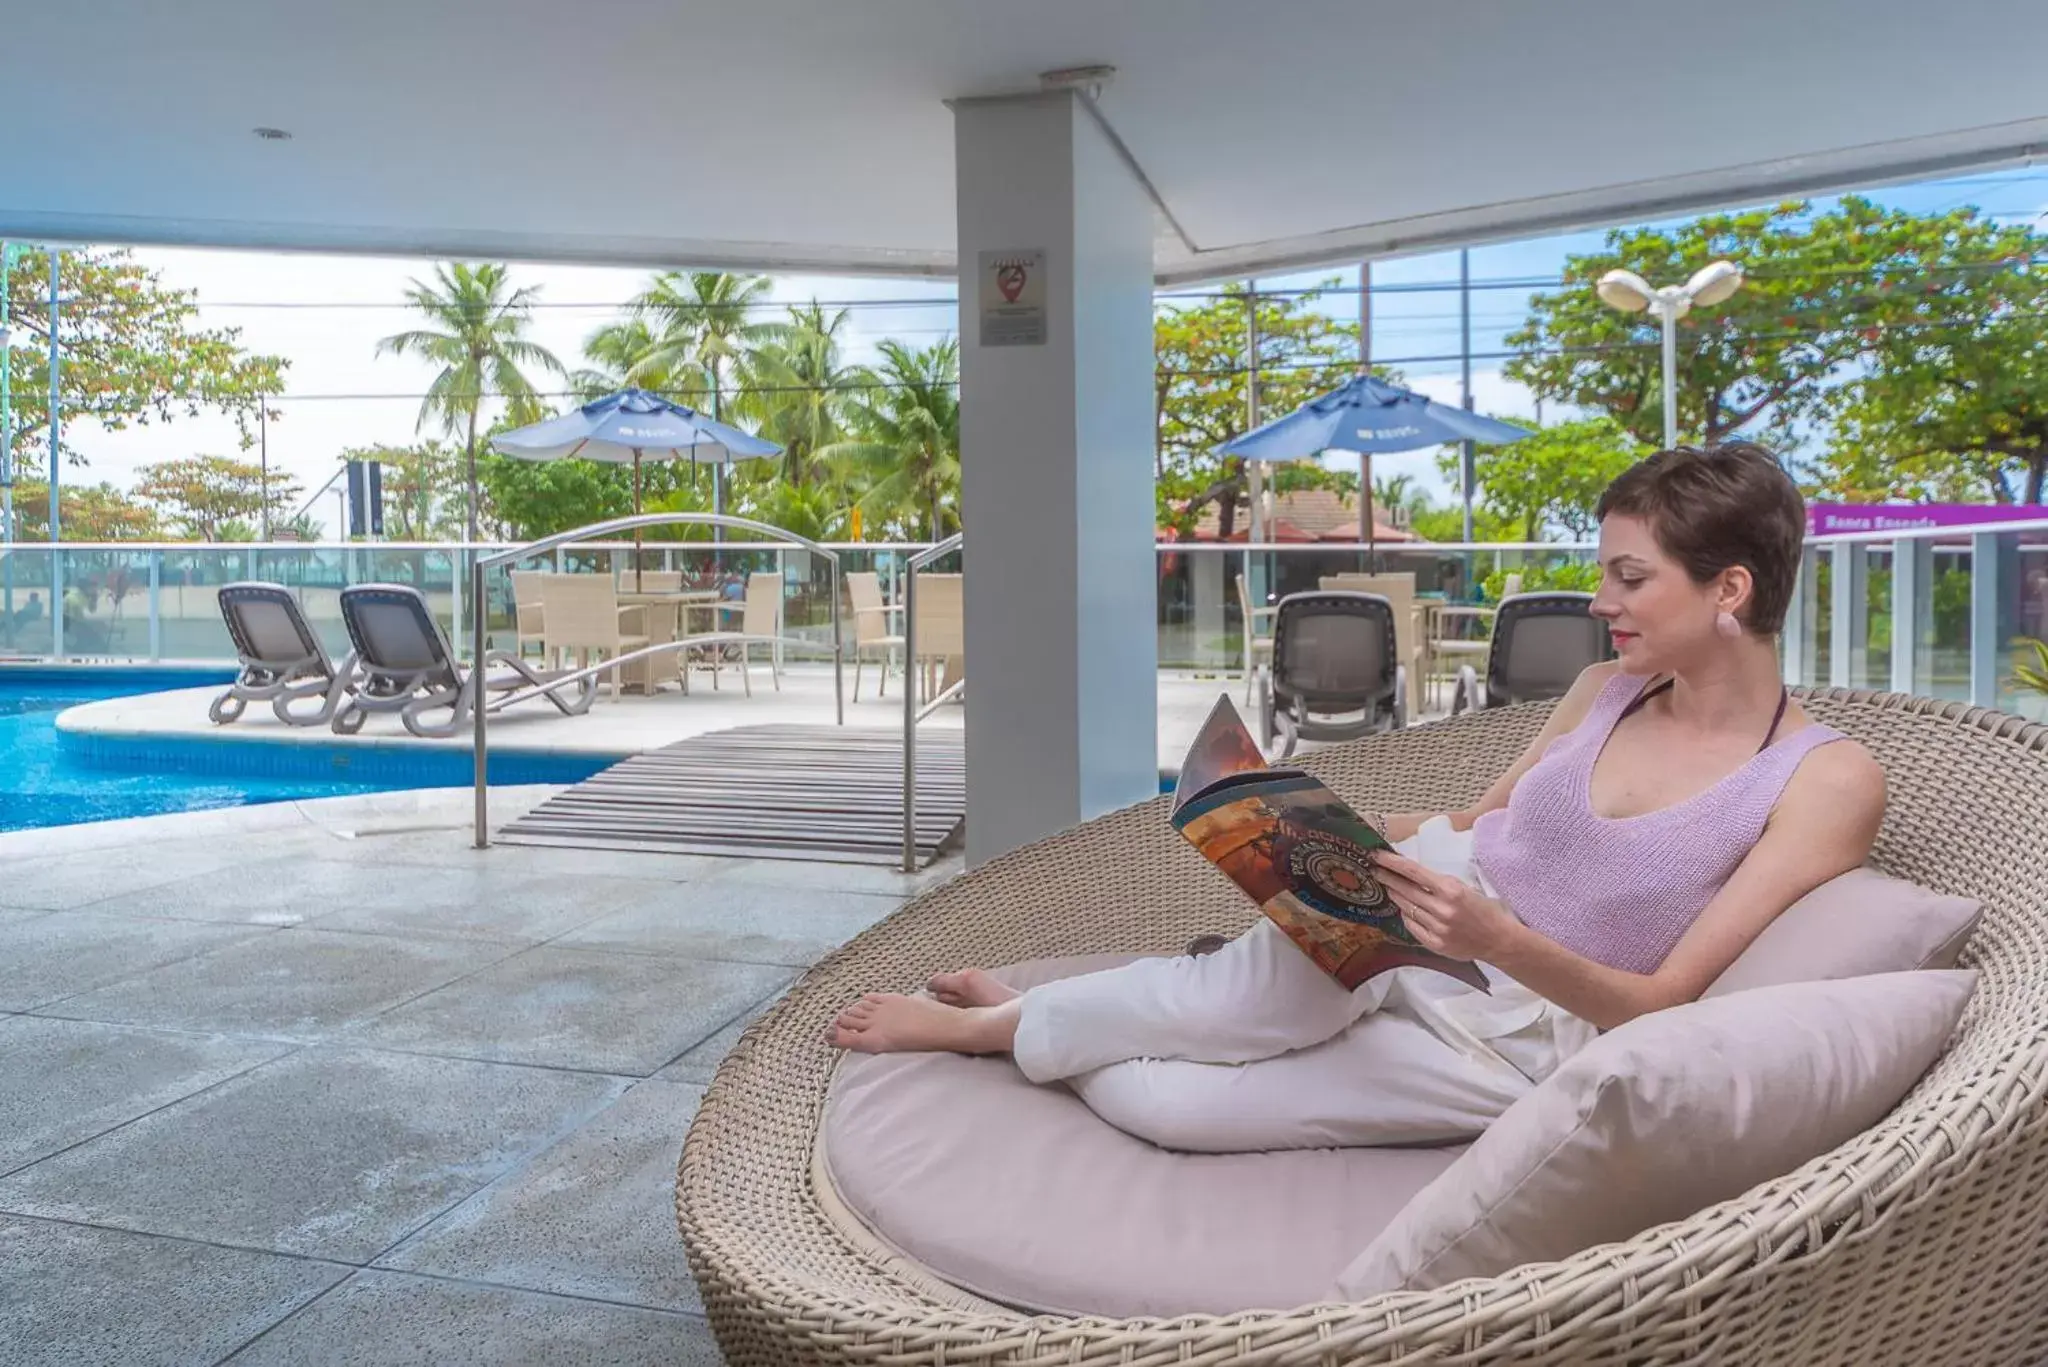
[(1828, 519)]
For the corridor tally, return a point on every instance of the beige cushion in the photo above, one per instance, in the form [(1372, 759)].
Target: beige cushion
[(1664, 1116), (1862, 922), (1021, 1195)]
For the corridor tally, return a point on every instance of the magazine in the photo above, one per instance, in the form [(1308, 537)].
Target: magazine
[(1300, 853)]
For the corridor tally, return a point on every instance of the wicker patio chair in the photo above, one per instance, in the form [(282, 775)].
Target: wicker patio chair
[(1925, 1239)]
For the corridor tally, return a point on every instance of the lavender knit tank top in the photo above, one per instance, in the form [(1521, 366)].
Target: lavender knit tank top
[(1623, 891)]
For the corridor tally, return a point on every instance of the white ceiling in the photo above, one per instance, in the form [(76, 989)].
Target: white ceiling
[(813, 134)]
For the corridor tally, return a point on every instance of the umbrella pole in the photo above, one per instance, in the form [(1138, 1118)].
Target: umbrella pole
[(636, 513), (1365, 511)]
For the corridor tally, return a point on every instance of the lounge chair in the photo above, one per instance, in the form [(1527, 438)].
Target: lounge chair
[(1541, 643), (282, 661), (1334, 655), (404, 665), (1921, 1240), (1412, 644)]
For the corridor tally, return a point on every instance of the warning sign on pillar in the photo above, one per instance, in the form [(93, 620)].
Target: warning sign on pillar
[(1013, 298)]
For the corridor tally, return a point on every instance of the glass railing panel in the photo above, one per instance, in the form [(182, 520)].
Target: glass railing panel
[(2022, 620)]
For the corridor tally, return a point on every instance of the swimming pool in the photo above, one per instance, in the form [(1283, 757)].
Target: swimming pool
[(49, 778)]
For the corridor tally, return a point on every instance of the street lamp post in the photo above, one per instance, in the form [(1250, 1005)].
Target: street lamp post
[(1629, 292)]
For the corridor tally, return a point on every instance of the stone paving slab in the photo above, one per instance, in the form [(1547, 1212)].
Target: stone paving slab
[(721, 919), (557, 1007), (329, 1153), (64, 1081), (47, 958), (593, 1216), (63, 881), (73, 1296), (819, 877), (505, 905), (388, 1319), (299, 983), (701, 1063)]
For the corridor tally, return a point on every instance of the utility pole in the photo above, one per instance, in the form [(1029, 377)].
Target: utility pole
[(1254, 470), (1465, 372), (263, 445)]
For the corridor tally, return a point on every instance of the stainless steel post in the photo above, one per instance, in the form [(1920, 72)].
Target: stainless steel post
[(838, 651), (477, 702), (910, 716)]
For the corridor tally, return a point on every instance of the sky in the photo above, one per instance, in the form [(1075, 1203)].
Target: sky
[(326, 314)]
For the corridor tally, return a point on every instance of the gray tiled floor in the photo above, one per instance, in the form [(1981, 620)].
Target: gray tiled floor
[(376, 1100)]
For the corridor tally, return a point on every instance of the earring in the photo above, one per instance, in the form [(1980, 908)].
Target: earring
[(1727, 625)]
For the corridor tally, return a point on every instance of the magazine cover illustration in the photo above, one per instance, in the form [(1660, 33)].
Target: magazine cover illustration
[(1299, 852)]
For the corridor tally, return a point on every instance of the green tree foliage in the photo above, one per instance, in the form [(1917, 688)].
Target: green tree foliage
[(1953, 401), (1551, 478), (90, 512), (131, 348), (1200, 393), (797, 391), (702, 331), (903, 441), (476, 334), (1823, 293), (216, 498)]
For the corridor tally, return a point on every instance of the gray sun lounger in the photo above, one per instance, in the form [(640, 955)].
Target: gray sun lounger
[(404, 665), (1541, 643), (282, 661), (1336, 672)]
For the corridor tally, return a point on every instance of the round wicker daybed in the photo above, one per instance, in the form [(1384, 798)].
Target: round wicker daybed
[(1923, 1240)]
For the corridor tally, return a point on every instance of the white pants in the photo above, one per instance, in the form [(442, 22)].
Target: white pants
[(1254, 1047)]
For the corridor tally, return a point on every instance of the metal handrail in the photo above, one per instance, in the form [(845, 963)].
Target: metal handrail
[(911, 715), (480, 635)]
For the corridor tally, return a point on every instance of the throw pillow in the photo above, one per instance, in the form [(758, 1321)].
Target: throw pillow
[(1861, 922), (1664, 1116)]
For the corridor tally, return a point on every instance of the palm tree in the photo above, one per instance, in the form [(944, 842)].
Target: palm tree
[(796, 391), (477, 338), (905, 428), (701, 332), (612, 350)]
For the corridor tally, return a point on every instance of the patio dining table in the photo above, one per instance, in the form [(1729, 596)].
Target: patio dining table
[(667, 620)]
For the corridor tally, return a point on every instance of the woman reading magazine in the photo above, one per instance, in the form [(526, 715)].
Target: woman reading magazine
[(1676, 802)]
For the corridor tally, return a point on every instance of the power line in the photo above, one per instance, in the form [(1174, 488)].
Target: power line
[(1338, 365), (1336, 290)]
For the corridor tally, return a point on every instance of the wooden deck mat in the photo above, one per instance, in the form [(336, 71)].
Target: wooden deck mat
[(781, 792)]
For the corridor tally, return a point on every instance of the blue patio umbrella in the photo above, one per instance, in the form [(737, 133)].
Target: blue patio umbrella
[(623, 428), (1370, 417)]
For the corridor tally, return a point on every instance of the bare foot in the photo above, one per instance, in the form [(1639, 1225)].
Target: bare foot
[(970, 987), (886, 1023)]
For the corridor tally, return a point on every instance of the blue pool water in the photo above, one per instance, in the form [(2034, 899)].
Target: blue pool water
[(48, 778)]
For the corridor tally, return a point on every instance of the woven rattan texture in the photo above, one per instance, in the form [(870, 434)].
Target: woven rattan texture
[(1921, 1241)]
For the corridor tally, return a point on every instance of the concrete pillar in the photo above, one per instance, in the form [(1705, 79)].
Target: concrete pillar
[(1056, 447)]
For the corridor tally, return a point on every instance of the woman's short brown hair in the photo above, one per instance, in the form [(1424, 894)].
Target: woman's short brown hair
[(1730, 504)]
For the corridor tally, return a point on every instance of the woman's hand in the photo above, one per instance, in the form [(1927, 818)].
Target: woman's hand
[(1444, 913)]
